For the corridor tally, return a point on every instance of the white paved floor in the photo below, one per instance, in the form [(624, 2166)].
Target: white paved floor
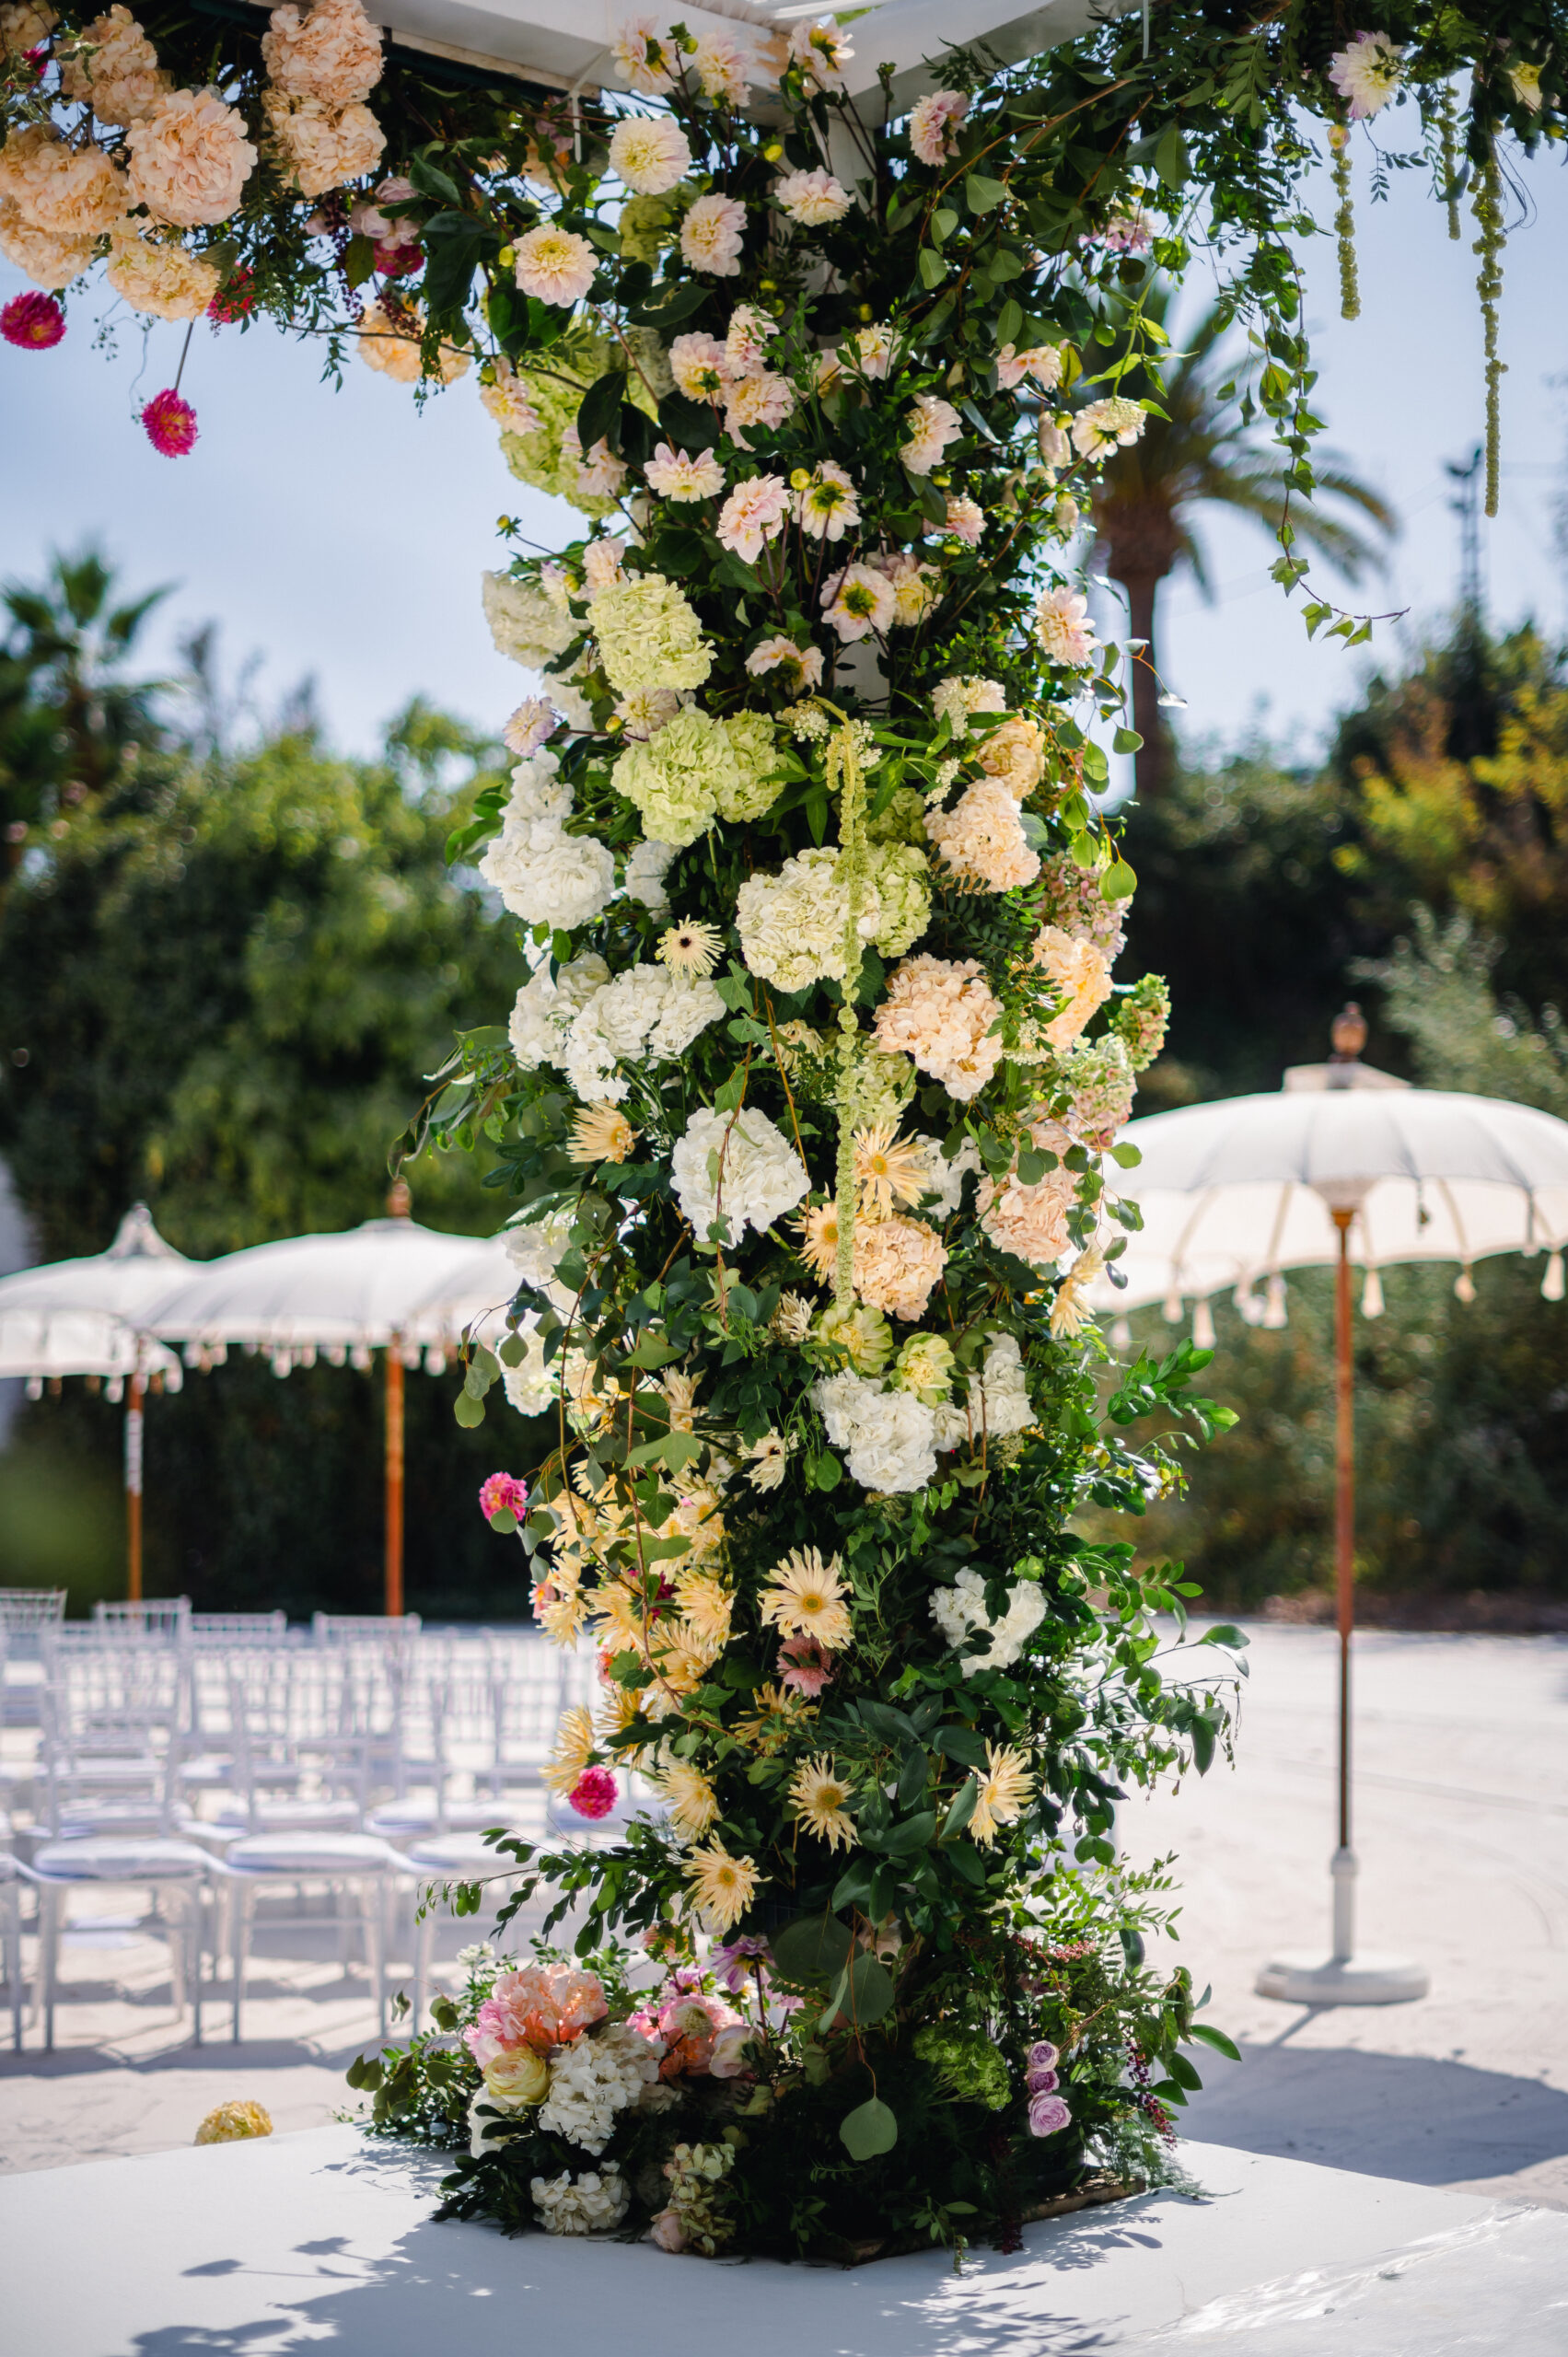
[(1462, 1827)]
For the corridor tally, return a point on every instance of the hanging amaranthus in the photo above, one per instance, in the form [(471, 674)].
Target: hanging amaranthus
[(1345, 223), (1487, 205)]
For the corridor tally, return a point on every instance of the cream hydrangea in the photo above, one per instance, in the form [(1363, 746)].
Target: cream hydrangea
[(48, 260), (649, 637), (940, 1012), (533, 1385), (390, 341), (1014, 754), (645, 1014), (792, 925), (981, 837), (888, 1437), (959, 1612), (943, 1177), (332, 52), (647, 864), (525, 625), (66, 191), (738, 1167), (119, 75), (544, 875), (158, 275), (955, 697), (320, 146), (897, 1261), (535, 1249), (591, 2080), (1081, 973), (541, 1017), (190, 159), (590, 2205), (1031, 1221)]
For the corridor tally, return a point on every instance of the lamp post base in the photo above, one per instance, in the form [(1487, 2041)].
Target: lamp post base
[(1370, 1980)]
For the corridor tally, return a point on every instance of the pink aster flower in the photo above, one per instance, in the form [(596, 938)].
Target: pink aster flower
[(676, 474), (857, 601), (804, 1666), (1063, 627), (711, 236), (932, 423), (556, 265), (593, 1794), (933, 125), (802, 666), (1047, 2115), (34, 322), (503, 1493), (752, 515), (170, 424)]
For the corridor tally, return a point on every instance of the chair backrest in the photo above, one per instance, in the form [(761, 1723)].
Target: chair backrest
[(31, 1608), (213, 1630), (364, 1628), (159, 1616)]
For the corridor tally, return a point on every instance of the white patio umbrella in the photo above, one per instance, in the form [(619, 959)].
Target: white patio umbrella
[(82, 1317), (388, 1284), (1343, 1165)]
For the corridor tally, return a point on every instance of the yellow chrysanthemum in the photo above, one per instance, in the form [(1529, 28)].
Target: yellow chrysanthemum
[(1069, 1312), (774, 1720), (690, 947), (887, 1169), (706, 1610), (602, 1134), (805, 1597), (693, 1804), (817, 1797), (722, 1887), (820, 1232), (1005, 1790), (574, 1749)]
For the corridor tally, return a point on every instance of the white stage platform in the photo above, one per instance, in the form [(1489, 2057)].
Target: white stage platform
[(325, 2241)]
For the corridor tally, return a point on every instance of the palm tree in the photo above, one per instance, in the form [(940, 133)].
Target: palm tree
[(1201, 452), (68, 714)]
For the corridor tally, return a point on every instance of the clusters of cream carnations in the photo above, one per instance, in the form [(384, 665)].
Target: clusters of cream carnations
[(332, 52), (997, 1404), (649, 154), (695, 767), (959, 1612), (525, 624), (649, 637), (1063, 627), (932, 423), (940, 1012), (48, 260), (68, 192), (590, 2205), (320, 146), (190, 159), (791, 926), (897, 1262), (934, 123), (1031, 1221), (888, 1437), (981, 837), (158, 276), (1015, 755), (544, 875), (116, 72), (738, 1167), (814, 199), (711, 236)]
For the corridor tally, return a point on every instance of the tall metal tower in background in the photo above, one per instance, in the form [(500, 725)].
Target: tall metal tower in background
[(1466, 505)]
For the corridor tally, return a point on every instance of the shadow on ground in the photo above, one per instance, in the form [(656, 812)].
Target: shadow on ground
[(1386, 2115)]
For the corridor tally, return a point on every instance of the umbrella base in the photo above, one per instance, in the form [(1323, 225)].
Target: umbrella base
[(1373, 1978)]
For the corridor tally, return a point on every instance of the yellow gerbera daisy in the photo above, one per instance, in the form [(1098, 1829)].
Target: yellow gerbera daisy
[(722, 1887), (805, 1597), (818, 1797), (574, 1749), (1004, 1792), (693, 1804), (887, 1169), (602, 1134), (819, 1230)]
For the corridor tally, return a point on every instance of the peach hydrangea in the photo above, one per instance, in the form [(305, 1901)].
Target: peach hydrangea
[(1032, 1221), (982, 839), (23, 24), (66, 191), (1081, 970), (118, 78), (48, 260), (897, 1261), (332, 52), (939, 1012), (190, 159), (321, 146), (158, 275)]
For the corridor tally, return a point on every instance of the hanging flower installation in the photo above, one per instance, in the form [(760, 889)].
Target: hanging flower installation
[(808, 1101)]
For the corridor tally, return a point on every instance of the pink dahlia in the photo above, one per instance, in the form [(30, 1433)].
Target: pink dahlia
[(396, 257), (503, 1494), (34, 322), (805, 1668), (171, 423), (236, 299), (593, 1794)]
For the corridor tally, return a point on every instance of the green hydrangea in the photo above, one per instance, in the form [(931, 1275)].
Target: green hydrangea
[(904, 820), (649, 637), (1141, 1018), (575, 361), (645, 225), (967, 2063), (884, 1083), (754, 741), (898, 873), (681, 776)]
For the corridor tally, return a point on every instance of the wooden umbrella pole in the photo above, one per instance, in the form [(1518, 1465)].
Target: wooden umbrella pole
[(394, 1576), (1344, 1571), (134, 1419)]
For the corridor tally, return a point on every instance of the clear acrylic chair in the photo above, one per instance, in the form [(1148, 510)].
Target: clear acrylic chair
[(352, 1866), (11, 1942)]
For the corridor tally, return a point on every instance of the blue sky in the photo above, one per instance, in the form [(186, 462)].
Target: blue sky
[(342, 534)]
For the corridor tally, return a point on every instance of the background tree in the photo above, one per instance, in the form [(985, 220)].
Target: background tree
[(1205, 451)]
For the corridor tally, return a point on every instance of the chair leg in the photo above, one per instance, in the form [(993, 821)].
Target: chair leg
[(424, 1952), (14, 1964), (374, 1906), (174, 1927), (193, 1929), (48, 1960), (239, 1940)]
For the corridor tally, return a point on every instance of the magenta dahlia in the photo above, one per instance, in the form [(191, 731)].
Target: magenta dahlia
[(34, 322), (171, 423), (593, 1794)]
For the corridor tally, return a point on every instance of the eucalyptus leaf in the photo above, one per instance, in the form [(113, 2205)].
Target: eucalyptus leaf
[(813, 1949), (869, 2130)]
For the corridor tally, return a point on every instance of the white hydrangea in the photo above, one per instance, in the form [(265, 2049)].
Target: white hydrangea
[(647, 864), (944, 1179), (544, 874), (959, 1612), (526, 625), (535, 1249), (646, 1013), (954, 698), (739, 1166), (792, 925), (888, 1437), (541, 1017), (530, 1386), (590, 2204), (591, 2080), (998, 1400)]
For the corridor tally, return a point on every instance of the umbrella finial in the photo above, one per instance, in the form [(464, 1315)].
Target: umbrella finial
[(399, 1202), (1348, 1032)]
